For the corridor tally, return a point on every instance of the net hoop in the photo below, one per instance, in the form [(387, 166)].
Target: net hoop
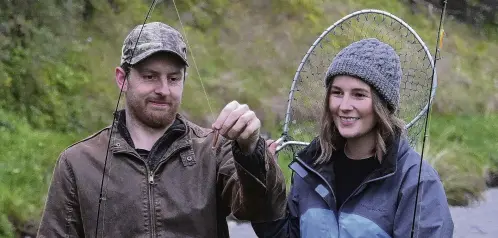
[(283, 142)]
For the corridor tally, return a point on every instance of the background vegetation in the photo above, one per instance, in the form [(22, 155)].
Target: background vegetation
[(58, 58)]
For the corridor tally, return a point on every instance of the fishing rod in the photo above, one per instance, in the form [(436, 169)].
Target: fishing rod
[(101, 197), (436, 53)]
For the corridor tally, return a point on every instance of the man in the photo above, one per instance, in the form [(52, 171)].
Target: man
[(163, 177)]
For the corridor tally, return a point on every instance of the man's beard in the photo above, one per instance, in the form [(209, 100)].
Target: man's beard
[(149, 117)]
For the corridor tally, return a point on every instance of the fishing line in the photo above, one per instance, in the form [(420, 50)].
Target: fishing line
[(438, 45), (197, 69)]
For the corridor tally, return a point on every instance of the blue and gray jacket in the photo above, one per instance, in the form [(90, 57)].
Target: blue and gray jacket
[(382, 206)]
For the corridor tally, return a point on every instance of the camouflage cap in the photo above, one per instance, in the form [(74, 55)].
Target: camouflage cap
[(155, 37)]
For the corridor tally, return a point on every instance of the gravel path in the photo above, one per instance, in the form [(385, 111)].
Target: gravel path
[(478, 221)]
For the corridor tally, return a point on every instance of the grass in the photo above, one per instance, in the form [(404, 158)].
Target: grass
[(26, 163), (462, 150)]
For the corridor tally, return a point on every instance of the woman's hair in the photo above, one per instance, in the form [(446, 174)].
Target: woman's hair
[(388, 126)]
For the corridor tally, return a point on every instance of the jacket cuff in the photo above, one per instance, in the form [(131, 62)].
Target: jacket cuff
[(254, 162)]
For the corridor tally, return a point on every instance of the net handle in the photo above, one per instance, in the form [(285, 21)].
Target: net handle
[(282, 143)]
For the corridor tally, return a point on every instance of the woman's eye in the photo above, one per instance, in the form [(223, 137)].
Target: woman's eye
[(334, 92)]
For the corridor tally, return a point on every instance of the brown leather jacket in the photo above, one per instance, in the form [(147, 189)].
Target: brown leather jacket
[(189, 191)]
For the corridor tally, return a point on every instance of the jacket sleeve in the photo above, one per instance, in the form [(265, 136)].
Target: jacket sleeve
[(61, 215), (433, 218), (286, 227), (252, 186)]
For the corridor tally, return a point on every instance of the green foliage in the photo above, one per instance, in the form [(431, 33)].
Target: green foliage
[(477, 133), (462, 178), (26, 164), (42, 80), (461, 148), (6, 228), (204, 14)]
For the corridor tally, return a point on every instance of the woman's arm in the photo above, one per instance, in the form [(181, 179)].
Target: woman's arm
[(285, 227)]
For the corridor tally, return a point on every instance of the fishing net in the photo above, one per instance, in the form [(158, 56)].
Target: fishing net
[(305, 102)]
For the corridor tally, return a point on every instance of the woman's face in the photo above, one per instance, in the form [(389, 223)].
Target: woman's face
[(351, 107)]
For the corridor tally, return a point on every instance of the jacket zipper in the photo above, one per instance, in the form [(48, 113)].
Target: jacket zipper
[(151, 203), (150, 174), (150, 179)]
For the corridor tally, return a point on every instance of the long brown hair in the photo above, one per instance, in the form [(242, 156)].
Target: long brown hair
[(388, 126)]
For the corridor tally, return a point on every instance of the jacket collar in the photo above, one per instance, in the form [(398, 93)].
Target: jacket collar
[(175, 137), (321, 177)]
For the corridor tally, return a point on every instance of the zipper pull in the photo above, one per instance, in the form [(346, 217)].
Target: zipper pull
[(151, 178)]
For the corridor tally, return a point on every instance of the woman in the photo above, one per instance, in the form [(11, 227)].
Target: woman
[(359, 177)]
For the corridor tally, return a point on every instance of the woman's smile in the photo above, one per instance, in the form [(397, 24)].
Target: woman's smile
[(348, 121)]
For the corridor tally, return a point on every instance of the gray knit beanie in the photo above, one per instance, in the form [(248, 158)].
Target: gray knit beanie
[(374, 62)]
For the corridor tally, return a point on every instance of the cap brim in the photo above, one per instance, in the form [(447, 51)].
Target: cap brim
[(144, 55)]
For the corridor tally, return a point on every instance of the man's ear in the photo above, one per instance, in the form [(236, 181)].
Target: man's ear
[(121, 78)]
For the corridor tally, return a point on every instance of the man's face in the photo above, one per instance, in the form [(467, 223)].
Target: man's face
[(154, 90)]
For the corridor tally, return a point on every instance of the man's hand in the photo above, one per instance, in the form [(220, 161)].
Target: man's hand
[(237, 122)]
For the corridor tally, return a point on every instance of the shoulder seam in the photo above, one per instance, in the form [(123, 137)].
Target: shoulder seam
[(95, 134)]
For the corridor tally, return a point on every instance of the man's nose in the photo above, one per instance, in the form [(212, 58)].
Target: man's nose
[(163, 87)]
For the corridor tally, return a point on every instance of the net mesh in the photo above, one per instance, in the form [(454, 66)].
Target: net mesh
[(309, 91)]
